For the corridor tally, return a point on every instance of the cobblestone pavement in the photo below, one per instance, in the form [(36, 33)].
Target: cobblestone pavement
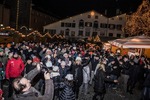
[(110, 94)]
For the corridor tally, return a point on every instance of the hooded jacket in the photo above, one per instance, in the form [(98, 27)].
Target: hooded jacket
[(14, 68)]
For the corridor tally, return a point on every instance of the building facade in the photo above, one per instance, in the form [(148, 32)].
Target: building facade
[(21, 14), (88, 24), (40, 19), (4, 15)]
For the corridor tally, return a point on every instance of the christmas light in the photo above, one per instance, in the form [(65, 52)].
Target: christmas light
[(139, 22)]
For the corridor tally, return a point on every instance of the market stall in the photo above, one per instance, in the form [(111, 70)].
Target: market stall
[(140, 44)]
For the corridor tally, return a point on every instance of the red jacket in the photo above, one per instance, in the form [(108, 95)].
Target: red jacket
[(14, 68)]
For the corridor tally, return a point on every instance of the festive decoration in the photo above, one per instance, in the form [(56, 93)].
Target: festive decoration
[(35, 33), (89, 39), (47, 34), (97, 39), (55, 36), (12, 35), (139, 22), (61, 37)]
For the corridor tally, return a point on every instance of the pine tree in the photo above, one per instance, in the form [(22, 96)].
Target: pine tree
[(139, 22)]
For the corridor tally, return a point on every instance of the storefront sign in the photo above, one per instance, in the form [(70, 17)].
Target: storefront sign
[(4, 34)]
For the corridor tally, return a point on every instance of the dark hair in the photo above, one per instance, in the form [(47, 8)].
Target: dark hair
[(20, 87)]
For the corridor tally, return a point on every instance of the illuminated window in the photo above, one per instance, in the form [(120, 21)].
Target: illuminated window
[(88, 24)]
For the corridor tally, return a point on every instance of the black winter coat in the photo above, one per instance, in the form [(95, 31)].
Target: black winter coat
[(126, 67), (94, 63), (77, 72), (100, 78), (147, 80)]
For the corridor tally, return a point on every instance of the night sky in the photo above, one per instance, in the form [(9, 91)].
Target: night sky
[(66, 8)]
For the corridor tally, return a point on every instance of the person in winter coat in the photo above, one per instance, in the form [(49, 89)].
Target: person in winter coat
[(3, 61), (56, 80), (115, 71), (47, 61), (63, 70), (2, 75), (3, 57), (99, 84), (14, 69), (86, 79), (44, 52), (125, 72), (67, 59), (78, 74), (94, 61), (146, 89), (29, 66), (24, 90), (67, 93)]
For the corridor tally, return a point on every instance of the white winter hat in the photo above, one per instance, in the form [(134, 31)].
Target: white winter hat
[(78, 58), (63, 63), (55, 68), (69, 77), (48, 50), (74, 48)]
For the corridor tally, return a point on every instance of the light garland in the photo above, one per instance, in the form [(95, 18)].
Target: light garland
[(33, 33), (139, 22), (17, 16)]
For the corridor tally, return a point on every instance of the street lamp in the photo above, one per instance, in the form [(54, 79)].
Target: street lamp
[(1, 25)]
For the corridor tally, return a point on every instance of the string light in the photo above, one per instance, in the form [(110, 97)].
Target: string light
[(17, 16), (139, 22)]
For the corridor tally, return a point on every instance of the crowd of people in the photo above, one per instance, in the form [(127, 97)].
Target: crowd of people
[(63, 70)]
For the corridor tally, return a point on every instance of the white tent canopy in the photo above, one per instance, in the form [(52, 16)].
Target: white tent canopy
[(132, 42)]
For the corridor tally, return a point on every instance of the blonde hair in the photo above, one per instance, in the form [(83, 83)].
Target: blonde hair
[(101, 66)]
